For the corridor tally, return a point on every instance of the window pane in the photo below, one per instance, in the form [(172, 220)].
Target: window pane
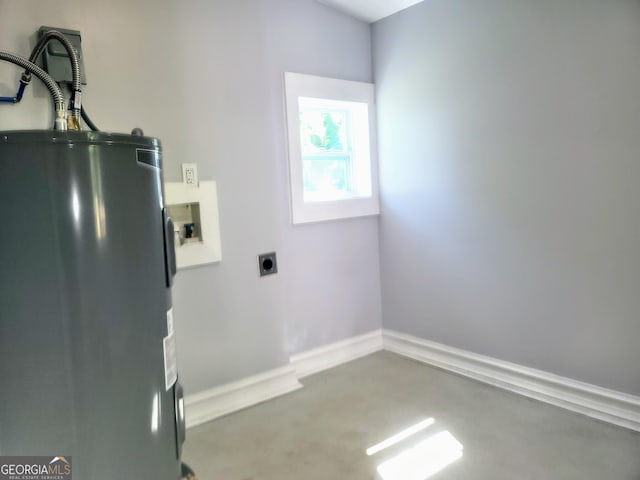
[(323, 130), (327, 147), (326, 176)]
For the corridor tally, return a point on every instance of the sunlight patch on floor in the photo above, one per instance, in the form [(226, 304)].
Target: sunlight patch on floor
[(398, 437), (424, 459)]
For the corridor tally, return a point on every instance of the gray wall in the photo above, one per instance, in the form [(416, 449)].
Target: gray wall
[(332, 283), (509, 136), (206, 78)]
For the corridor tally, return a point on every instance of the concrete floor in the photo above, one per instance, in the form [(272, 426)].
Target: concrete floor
[(321, 432)]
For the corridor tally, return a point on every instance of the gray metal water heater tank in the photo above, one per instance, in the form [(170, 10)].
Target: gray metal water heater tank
[(87, 359)]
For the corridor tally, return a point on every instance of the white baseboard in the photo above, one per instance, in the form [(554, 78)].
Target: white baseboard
[(596, 402), (216, 402), (334, 354)]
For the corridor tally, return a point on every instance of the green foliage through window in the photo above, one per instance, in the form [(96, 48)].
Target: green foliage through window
[(325, 153)]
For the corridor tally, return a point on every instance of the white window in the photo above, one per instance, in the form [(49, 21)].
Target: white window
[(332, 167)]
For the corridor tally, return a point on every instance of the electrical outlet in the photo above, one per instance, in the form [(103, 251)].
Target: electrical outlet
[(267, 264), (190, 174)]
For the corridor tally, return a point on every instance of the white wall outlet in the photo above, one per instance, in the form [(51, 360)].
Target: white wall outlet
[(190, 174)]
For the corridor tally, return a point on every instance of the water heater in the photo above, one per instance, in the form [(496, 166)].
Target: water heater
[(87, 356)]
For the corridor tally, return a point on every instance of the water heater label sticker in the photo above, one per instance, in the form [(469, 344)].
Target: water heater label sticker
[(170, 367), (170, 322)]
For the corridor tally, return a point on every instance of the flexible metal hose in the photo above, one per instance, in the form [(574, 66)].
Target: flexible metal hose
[(76, 85), (56, 93)]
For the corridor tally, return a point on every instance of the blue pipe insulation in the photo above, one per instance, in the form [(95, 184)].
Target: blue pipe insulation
[(23, 85), (18, 96)]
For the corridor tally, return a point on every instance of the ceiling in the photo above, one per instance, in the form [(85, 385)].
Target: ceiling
[(370, 10)]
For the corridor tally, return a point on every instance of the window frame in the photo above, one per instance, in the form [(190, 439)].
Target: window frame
[(299, 85)]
